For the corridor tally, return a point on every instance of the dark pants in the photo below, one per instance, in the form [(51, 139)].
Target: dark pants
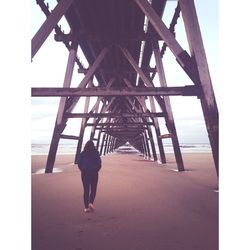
[(89, 181)]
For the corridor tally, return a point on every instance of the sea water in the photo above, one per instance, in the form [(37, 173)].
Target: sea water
[(67, 148)]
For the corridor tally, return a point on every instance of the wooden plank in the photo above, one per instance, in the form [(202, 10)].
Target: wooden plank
[(48, 25), (188, 90)]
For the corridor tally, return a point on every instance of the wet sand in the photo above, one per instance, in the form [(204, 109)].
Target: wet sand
[(139, 205)]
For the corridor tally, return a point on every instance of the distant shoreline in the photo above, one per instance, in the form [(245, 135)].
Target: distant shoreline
[(68, 149)]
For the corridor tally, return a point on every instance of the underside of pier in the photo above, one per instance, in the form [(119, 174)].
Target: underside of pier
[(120, 39)]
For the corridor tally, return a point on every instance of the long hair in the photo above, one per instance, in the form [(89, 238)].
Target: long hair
[(89, 147)]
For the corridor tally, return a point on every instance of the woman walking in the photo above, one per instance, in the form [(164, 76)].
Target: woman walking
[(89, 163)]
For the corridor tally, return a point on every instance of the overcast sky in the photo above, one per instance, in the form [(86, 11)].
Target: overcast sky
[(49, 64)]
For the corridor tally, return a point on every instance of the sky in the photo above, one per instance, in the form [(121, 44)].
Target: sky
[(49, 64)]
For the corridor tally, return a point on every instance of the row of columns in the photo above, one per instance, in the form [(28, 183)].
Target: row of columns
[(195, 65)]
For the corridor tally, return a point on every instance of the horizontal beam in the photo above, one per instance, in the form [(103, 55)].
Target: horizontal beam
[(123, 130), (119, 128), (118, 72), (118, 124), (114, 115), (124, 134), (72, 137), (102, 91), (166, 136), (108, 38)]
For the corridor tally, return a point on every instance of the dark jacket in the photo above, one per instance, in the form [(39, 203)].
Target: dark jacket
[(89, 161)]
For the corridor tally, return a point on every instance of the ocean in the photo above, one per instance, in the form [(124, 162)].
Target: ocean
[(67, 148)]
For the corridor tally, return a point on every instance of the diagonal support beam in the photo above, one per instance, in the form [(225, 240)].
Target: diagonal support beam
[(48, 25), (160, 27), (182, 57), (71, 103)]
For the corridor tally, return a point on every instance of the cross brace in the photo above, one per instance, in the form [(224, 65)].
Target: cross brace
[(101, 91), (122, 115)]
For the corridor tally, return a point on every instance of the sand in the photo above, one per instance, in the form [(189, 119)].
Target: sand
[(139, 205)]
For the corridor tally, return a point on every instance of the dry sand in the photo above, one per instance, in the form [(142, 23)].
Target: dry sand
[(139, 205)]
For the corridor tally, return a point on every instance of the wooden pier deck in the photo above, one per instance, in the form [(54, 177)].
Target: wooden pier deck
[(139, 205)]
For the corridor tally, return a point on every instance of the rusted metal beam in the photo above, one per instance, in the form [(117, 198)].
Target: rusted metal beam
[(101, 91), (48, 25), (181, 55), (160, 27), (45, 8)]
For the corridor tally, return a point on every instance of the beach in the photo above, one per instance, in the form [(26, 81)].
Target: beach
[(140, 204)]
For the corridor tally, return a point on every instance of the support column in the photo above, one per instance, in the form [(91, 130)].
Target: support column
[(157, 131), (106, 143), (113, 144), (144, 151), (147, 145), (151, 100), (92, 134), (60, 123), (103, 141), (170, 118), (82, 129), (98, 140), (152, 142), (208, 101), (110, 144)]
